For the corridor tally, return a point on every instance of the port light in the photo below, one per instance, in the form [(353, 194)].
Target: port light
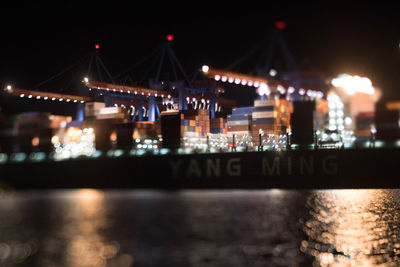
[(35, 141), (205, 68), (280, 24), (3, 158), (140, 152), (118, 153), (170, 37), (113, 137), (354, 84), (18, 157), (263, 89), (97, 154), (37, 156), (281, 89), (164, 151)]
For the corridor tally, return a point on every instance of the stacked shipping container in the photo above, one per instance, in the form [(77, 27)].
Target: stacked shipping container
[(195, 123), (270, 117), (218, 125), (239, 123)]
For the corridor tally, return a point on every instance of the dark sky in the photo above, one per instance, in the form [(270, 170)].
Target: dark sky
[(362, 37)]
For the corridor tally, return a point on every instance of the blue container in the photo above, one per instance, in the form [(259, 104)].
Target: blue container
[(264, 121), (239, 117), (261, 109), (242, 110), (215, 130)]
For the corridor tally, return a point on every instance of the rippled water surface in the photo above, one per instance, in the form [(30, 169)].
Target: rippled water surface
[(200, 228)]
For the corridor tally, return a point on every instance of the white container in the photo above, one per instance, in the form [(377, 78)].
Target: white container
[(264, 114), (264, 103)]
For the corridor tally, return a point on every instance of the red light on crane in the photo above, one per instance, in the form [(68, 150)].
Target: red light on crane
[(280, 24), (97, 46), (170, 37)]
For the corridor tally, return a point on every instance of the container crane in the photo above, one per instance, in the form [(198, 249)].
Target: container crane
[(290, 81)]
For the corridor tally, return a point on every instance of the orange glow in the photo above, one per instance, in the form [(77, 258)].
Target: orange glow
[(361, 102), (354, 84), (84, 223), (88, 193), (211, 73), (113, 137), (73, 134), (35, 141), (322, 106), (349, 221)]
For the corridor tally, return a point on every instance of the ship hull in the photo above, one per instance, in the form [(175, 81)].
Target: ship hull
[(299, 169)]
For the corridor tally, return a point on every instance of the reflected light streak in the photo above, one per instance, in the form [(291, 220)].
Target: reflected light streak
[(351, 228), (83, 224)]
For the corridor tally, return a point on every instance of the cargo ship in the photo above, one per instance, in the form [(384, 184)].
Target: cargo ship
[(275, 143), (173, 134)]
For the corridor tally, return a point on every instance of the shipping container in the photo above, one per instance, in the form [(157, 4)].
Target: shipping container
[(239, 133), (93, 108), (262, 103), (264, 114), (242, 110), (239, 123), (239, 117), (263, 121), (264, 108), (238, 128)]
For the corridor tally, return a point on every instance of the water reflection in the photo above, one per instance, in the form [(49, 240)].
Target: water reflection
[(94, 228), (210, 228), (353, 228), (85, 220), (15, 247), (78, 231)]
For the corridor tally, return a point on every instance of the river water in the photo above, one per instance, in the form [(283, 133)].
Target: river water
[(200, 228)]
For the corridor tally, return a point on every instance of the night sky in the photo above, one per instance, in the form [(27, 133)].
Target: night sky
[(38, 40)]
